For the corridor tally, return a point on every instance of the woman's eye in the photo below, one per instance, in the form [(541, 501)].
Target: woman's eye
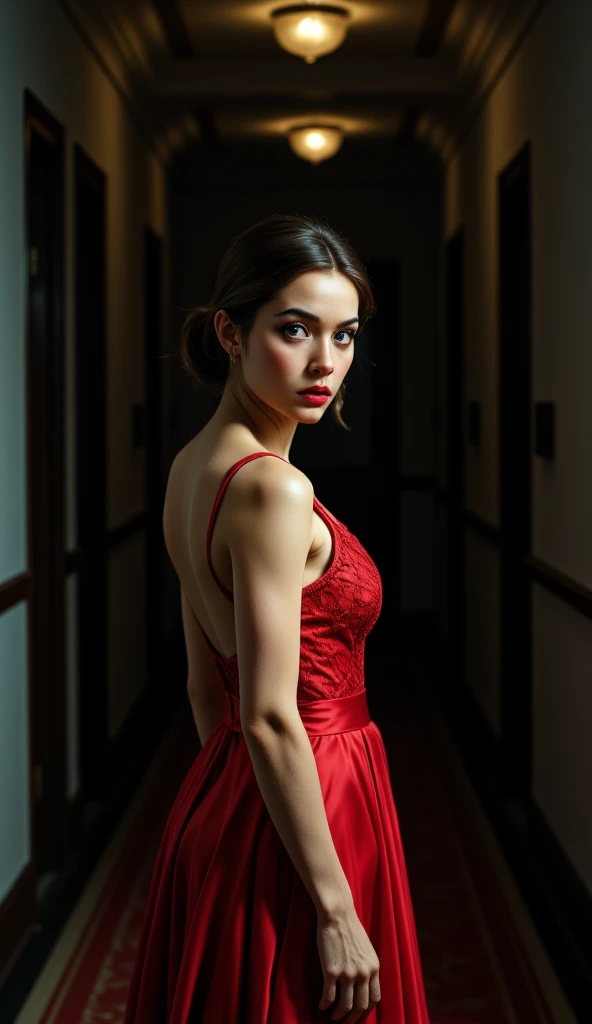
[(300, 327), (291, 327)]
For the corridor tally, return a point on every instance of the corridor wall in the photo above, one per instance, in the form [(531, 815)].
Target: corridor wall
[(42, 50), (540, 96)]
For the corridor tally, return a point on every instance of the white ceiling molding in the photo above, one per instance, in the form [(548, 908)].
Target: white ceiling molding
[(488, 45), (128, 43)]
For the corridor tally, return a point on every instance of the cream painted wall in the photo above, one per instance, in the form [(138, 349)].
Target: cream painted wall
[(41, 50), (542, 97)]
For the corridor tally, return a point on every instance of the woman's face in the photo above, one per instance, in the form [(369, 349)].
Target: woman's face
[(302, 338)]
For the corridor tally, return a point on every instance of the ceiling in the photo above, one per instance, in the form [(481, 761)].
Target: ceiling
[(210, 73)]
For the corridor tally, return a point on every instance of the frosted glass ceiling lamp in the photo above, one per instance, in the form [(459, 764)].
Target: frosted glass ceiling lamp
[(310, 30), (316, 142)]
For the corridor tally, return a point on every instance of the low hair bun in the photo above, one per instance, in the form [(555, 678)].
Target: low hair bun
[(201, 352)]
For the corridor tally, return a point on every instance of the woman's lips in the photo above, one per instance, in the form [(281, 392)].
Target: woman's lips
[(314, 397)]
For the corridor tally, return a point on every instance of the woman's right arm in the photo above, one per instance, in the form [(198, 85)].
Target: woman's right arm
[(269, 530)]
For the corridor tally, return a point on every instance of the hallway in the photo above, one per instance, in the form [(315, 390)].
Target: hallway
[(482, 959), (446, 141)]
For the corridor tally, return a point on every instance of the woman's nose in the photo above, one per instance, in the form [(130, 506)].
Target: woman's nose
[(323, 360)]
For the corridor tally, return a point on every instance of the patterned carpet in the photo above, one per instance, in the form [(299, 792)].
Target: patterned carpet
[(478, 967)]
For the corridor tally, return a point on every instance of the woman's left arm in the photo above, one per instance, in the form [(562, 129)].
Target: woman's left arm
[(204, 686)]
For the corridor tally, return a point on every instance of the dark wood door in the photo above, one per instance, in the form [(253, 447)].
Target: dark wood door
[(44, 169), (515, 469), (382, 535), (91, 467), (155, 485), (455, 305)]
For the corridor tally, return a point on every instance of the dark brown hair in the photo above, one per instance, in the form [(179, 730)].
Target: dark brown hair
[(258, 263)]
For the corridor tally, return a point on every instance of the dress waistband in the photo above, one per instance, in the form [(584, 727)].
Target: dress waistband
[(319, 717)]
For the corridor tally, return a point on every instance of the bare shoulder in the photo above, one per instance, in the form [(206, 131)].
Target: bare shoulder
[(267, 483), (270, 510)]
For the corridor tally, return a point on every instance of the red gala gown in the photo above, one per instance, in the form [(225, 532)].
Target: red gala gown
[(229, 930)]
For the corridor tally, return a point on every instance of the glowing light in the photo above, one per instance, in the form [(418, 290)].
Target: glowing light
[(316, 143), (310, 30)]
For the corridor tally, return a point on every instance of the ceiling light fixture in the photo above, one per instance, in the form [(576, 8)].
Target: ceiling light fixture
[(310, 30), (316, 142)]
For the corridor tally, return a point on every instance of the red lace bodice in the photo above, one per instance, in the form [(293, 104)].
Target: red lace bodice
[(338, 611)]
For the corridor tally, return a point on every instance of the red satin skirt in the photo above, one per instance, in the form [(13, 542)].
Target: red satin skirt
[(229, 930)]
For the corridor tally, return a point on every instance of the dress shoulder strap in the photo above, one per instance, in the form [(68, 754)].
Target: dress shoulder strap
[(219, 495)]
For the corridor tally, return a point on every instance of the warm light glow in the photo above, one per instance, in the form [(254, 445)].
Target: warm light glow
[(314, 140), (316, 143), (310, 30)]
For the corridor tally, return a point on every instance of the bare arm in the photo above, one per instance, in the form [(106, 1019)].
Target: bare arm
[(269, 538)]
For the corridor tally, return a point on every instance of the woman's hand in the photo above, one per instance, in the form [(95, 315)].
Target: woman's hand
[(348, 958)]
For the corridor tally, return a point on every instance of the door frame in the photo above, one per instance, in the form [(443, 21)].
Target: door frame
[(45, 369), (515, 473), (384, 527), (456, 396), (153, 440), (91, 472)]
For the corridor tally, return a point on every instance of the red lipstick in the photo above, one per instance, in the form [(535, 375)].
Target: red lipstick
[(315, 395)]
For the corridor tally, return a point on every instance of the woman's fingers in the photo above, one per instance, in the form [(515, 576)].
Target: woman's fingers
[(328, 995), (375, 987), (346, 999), (361, 1001), (355, 998)]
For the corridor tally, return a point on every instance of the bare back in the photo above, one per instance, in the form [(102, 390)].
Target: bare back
[(194, 481)]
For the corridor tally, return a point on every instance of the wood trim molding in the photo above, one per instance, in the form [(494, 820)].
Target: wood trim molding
[(471, 519), (18, 589), (569, 590), (438, 15), (17, 910), (118, 534), (174, 28), (15, 590), (73, 560), (476, 522)]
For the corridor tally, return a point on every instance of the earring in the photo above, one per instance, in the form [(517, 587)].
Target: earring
[(232, 358)]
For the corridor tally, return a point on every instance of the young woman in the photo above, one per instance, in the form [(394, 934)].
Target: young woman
[(279, 893)]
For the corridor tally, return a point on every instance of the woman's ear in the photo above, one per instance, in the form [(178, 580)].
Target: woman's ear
[(225, 329)]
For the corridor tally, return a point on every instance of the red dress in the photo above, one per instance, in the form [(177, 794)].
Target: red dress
[(229, 930)]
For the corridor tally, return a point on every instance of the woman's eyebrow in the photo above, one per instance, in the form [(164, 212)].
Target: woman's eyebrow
[(313, 316)]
